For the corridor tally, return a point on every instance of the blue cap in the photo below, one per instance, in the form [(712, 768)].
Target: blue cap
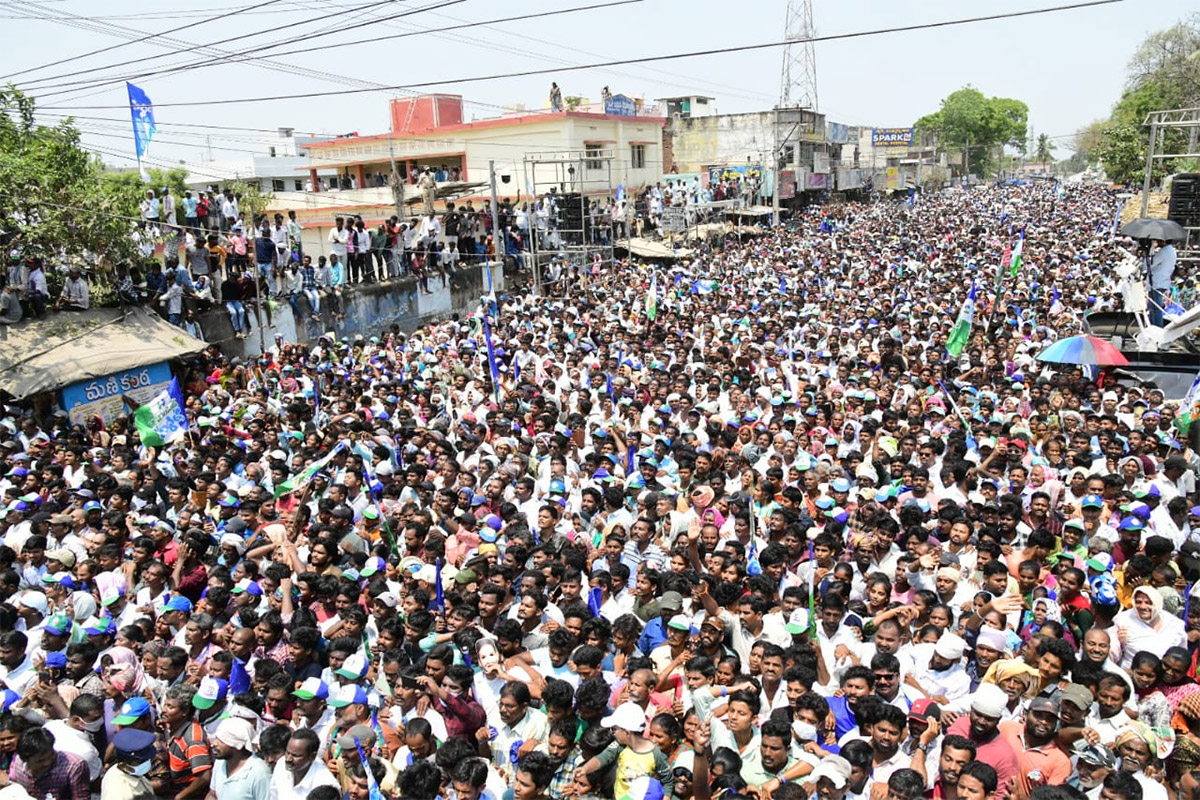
[(178, 602), (1130, 524), (134, 744), (56, 660), (131, 711), (101, 626), (1092, 501), (92, 505), (841, 485)]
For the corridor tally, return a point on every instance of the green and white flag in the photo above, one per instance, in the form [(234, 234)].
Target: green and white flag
[(304, 477), (162, 421), (1189, 409), (960, 334), (652, 299), (1015, 265)]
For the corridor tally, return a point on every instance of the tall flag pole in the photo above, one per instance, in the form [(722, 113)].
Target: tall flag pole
[(141, 111)]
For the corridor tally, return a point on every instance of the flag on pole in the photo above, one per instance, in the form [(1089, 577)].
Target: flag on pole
[(1014, 266), (141, 110), (652, 298), (961, 332), (1056, 306), (1189, 409), (812, 592), (620, 192), (440, 600), (491, 357), (373, 790), (305, 476), (1117, 218), (162, 421)]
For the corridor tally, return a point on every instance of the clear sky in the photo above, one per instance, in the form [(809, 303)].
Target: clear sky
[(1068, 66)]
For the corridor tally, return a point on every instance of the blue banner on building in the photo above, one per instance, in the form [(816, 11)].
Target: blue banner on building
[(102, 397), (620, 106), (891, 137)]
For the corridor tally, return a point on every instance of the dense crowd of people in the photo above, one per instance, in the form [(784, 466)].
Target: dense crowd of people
[(739, 526)]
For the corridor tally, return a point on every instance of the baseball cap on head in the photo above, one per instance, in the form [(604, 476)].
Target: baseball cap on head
[(312, 689), (131, 711), (176, 602), (627, 716), (57, 625), (354, 667), (349, 694), (210, 692)]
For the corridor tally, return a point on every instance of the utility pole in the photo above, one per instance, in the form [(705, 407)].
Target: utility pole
[(397, 186), (499, 250), (775, 172), (1149, 166)]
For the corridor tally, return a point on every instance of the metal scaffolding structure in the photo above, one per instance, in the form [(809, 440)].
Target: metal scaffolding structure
[(567, 182), (1160, 123)]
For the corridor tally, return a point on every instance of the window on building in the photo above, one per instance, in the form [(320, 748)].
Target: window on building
[(277, 185), (637, 156), (299, 185), (593, 153)]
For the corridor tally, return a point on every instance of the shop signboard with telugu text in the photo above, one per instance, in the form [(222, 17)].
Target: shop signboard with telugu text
[(102, 396)]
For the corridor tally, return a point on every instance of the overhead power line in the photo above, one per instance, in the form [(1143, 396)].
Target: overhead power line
[(186, 47), (260, 52), (623, 61), (88, 54)]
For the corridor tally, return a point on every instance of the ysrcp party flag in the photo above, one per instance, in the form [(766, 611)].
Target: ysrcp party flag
[(304, 477), (961, 332), (162, 421)]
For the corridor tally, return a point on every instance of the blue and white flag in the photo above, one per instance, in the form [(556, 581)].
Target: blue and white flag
[(1056, 306), (141, 110), (620, 192)]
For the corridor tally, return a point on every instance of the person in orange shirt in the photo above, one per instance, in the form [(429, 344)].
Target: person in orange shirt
[(1042, 761)]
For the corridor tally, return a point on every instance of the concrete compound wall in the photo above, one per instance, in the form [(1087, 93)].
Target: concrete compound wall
[(368, 310)]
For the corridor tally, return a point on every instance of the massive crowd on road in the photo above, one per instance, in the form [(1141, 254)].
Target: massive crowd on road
[(737, 526)]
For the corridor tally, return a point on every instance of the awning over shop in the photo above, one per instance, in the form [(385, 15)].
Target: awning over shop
[(648, 248), (46, 355)]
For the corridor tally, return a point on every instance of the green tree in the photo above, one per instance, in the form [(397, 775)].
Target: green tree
[(126, 187), (970, 122), (1163, 74), (1123, 153), (51, 204), (252, 200), (1044, 149)]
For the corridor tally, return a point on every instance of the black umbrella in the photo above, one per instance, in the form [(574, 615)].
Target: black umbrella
[(1146, 228)]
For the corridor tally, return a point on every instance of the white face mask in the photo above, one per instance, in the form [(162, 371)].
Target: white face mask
[(805, 731), (92, 727), (142, 768)]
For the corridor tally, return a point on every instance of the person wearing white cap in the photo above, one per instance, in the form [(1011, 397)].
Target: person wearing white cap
[(831, 778), (238, 774), (982, 726), (940, 672)]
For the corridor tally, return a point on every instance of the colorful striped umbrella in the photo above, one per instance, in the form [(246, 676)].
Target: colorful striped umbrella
[(1084, 350)]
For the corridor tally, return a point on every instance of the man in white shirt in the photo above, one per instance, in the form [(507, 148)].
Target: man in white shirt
[(75, 294), (16, 670), (338, 236), (74, 734), (1108, 717), (300, 771)]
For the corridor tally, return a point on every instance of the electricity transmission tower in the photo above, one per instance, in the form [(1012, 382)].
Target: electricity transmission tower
[(799, 82)]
